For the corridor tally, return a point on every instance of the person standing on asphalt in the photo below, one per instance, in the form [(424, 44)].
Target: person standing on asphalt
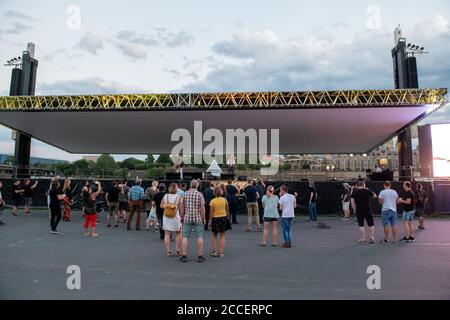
[(28, 195), (193, 217), (232, 200), (409, 210), (271, 216), (56, 195), (157, 199), (360, 200), (421, 201), (312, 209), (345, 199), (67, 200), (124, 201), (89, 197), (288, 203), (388, 199), (112, 202), (136, 196), (17, 197), (261, 187), (208, 194), (252, 196)]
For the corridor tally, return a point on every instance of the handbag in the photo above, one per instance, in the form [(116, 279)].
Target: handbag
[(152, 214), (170, 209)]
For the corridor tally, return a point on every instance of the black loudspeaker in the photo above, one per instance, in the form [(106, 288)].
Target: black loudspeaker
[(242, 178), (411, 67)]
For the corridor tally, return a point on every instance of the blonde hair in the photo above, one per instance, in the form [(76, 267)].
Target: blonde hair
[(218, 191), (66, 184)]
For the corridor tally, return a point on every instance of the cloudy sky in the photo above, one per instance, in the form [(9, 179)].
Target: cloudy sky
[(137, 46)]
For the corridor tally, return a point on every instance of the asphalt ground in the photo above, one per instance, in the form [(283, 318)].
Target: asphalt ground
[(121, 264)]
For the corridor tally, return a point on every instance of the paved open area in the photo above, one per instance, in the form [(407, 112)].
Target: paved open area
[(120, 264)]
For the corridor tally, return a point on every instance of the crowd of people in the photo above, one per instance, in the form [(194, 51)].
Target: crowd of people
[(177, 210)]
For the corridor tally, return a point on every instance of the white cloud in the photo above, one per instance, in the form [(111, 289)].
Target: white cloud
[(85, 86), (266, 61), (91, 43)]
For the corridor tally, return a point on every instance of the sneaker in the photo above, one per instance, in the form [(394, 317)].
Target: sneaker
[(116, 226), (384, 241), (422, 228), (1, 223), (109, 226), (372, 241), (285, 245), (201, 259), (411, 239), (183, 259), (404, 239), (55, 232)]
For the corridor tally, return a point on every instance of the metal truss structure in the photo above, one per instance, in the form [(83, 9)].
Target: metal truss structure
[(302, 99)]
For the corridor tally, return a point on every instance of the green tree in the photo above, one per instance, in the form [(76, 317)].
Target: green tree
[(150, 158), (131, 163), (164, 158), (156, 173), (105, 165)]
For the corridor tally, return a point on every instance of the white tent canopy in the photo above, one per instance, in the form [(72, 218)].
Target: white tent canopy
[(214, 169)]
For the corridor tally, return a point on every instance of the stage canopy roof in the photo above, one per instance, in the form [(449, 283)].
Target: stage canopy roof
[(309, 122)]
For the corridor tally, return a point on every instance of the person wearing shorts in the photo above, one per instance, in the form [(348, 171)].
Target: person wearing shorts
[(28, 195), (388, 199), (112, 201), (345, 199), (192, 212), (124, 205), (360, 200), (408, 203), (271, 216)]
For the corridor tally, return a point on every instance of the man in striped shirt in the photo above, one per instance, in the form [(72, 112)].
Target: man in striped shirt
[(192, 212), (136, 196)]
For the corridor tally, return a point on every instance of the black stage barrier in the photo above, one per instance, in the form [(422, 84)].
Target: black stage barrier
[(329, 194)]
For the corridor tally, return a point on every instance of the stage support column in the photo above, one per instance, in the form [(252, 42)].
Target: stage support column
[(22, 155), (405, 155)]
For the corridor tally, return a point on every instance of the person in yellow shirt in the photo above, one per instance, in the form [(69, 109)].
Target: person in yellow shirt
[(219, 222)]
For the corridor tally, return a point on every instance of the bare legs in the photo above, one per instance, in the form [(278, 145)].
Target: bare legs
[(409, 229), (185, 244), (362, 233), (394, 233), (167, 236), (221, 242), (274, 232)]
